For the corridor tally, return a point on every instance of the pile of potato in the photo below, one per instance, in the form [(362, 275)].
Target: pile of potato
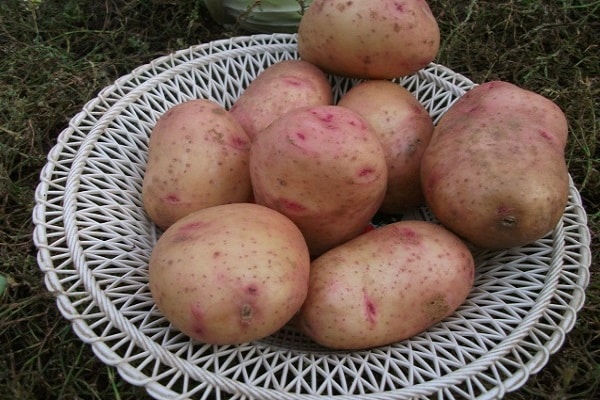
[(266, 207)]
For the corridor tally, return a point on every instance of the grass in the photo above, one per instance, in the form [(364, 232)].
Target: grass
[(55, 55)]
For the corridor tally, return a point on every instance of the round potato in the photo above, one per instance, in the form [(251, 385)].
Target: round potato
[(197, 157), (324, 168), (230, 274), (404, 127), (280, 88), (386, 285), (369, 39)]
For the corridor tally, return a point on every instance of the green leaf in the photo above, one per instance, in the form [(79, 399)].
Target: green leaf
[(3, 284)]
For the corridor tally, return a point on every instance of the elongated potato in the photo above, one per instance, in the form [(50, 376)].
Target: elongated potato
[(386, 285), (495, 171), (230, 274)]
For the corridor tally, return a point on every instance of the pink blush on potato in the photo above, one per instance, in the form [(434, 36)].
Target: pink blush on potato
[(407, 235), (366, 172), (172, 199), (252, 290), (546, 136), (328, 117), (188, 232), (198, 319), (192, 226), (290, 205), (370, 309), (303, 140), (239, 143), (358, 123), (294, 81), (399, 6), (367, 175)]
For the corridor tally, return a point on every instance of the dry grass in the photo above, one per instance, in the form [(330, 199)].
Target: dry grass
[(55, 55)]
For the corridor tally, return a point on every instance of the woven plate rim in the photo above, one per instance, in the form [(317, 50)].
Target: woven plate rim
[(57, 238)]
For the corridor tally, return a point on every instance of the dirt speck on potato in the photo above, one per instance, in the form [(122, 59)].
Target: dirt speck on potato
[(218, 110), (436, 307), (246, 314), (506, 217)]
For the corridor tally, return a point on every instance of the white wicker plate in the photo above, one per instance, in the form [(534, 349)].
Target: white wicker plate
[(94, 241)]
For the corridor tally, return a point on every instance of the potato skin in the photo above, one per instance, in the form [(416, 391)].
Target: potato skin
[(369, 39), (494, 171), (404, 127), (230, 274), (197, 157), (280, 88), (324, 168), (386, 285)]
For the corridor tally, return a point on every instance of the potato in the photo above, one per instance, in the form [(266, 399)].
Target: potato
[(280, 88), (197, 157), (230, 274), (404, 127), (494, 171), (386, 285), (324, 168), (369, 39)]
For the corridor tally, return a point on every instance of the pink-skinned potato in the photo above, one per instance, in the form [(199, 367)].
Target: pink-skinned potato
[(198, 157), (324, 168), (404, 127), (386, 285), (369, 39), (495, 171), (230, 274), (280, 88)]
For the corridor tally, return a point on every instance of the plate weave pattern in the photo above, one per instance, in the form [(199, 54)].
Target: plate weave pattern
[(94, 241)]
